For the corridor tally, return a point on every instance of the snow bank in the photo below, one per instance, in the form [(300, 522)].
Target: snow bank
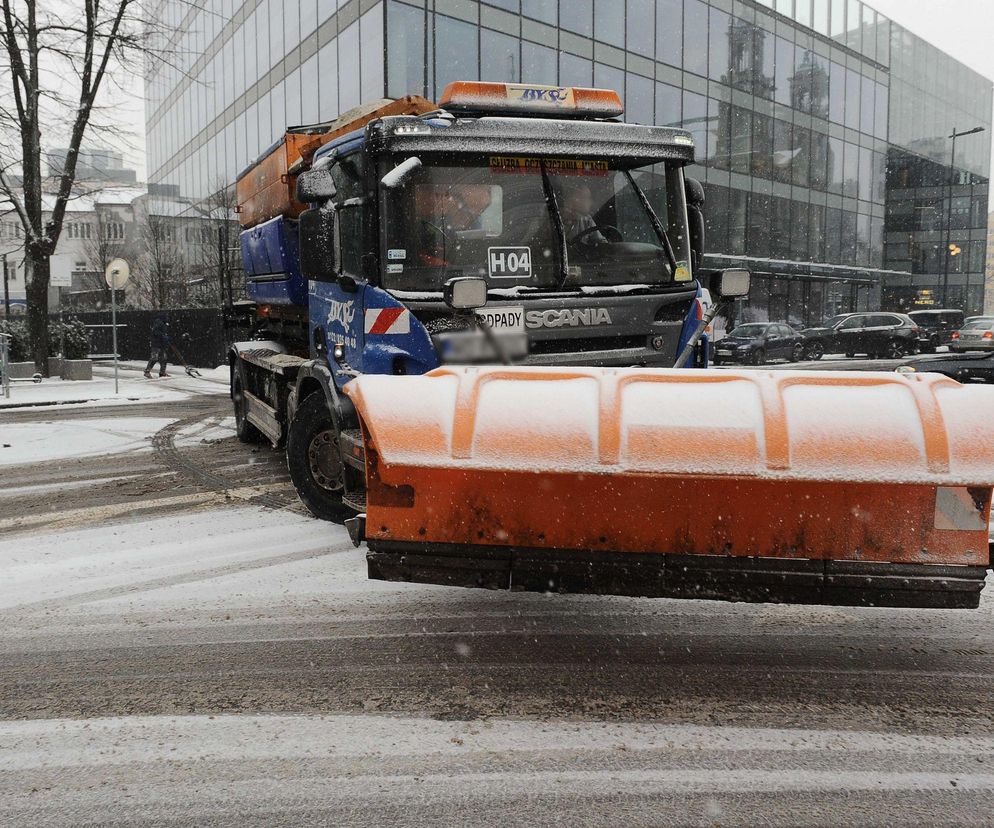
[(98, 391)]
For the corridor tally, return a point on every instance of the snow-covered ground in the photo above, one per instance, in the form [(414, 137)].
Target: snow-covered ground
[(133, 388), (63, 439), (202, 554), (206, 431)]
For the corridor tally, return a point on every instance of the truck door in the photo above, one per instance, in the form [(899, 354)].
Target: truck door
[(336, 308)]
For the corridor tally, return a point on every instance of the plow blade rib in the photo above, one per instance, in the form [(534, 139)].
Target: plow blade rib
[(519, 477)]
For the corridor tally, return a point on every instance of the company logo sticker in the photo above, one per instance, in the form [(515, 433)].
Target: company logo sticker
[(340, 313)]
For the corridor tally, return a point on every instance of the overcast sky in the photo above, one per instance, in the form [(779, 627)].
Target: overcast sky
[(963, 28)]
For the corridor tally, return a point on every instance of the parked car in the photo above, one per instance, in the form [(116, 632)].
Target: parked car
[(974, 336), (939, 325), (964, 368), (758, 342), (878, 334)]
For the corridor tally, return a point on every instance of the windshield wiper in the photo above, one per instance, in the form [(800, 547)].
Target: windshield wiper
[(663, 237), (557, 221)]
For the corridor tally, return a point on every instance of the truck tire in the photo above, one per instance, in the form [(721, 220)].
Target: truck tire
[(314, 459), (246, 432)]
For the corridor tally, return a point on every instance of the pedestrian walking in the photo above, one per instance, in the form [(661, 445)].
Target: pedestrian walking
[(158, 342)]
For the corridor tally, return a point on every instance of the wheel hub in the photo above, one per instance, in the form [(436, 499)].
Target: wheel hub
[(325, 461)]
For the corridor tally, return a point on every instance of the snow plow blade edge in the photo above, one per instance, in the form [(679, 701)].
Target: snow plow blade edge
[(805, 487)]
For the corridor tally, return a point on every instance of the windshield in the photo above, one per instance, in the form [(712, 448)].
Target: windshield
[(835, 320), (748, 331), (505, 218)]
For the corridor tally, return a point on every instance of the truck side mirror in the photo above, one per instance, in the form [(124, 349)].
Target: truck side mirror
[(316, 186), (731, 284), (316, 234), (466, 293), (695, 217)]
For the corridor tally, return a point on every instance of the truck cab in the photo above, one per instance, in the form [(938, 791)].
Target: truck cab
[(578, 233)]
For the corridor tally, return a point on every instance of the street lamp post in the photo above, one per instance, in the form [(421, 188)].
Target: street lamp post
[(949, 210)]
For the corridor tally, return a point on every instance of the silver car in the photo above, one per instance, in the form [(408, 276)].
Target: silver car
[(975, 335)]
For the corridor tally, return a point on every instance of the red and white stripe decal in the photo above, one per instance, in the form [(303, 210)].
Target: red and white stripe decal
[(388, 321)]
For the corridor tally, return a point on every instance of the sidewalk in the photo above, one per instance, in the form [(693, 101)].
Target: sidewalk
[(133, 388)]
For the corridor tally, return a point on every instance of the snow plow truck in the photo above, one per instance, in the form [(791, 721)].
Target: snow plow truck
[(478, 329)]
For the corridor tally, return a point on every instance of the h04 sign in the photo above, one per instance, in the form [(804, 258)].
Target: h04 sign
[(510, 262)]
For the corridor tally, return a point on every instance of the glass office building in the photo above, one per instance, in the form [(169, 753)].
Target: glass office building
[(821, 126)]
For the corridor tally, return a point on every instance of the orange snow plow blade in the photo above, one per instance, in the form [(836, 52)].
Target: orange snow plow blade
[(805, 487)]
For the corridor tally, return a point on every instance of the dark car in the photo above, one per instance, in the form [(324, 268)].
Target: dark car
[(964, 368), (757, 342), (938, 325), (878, 334)]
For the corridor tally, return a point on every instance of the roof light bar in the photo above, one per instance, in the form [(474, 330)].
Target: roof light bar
[(531, 99)]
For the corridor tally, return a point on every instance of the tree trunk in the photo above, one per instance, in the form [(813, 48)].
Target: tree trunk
[(38, 269)]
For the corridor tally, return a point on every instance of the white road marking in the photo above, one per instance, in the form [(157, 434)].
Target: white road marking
[(66, 743)]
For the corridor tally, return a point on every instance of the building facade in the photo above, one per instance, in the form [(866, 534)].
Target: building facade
[(821, 126), (97, 164), (179, 252)]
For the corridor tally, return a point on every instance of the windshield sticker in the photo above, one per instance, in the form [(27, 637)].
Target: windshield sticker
[(682, 272), (395, 268), (556, 166), (395, 254), (510, 262)]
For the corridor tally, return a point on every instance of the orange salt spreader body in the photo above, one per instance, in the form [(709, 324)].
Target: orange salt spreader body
[(802, 487)]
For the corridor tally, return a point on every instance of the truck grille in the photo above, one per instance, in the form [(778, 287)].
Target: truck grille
[(587, 343)]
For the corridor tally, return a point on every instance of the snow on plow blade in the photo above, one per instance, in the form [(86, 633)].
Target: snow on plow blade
[(804, 487)]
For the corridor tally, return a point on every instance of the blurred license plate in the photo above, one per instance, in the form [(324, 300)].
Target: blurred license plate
[(475, 346)]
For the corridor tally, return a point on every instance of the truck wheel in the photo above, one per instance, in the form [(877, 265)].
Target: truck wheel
[(246, 432), (314, 458)]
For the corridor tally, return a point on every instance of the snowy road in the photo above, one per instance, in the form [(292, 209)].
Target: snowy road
[(181, 645)]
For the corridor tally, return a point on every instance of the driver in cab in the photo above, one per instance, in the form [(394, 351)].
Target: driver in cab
[(576, 206)]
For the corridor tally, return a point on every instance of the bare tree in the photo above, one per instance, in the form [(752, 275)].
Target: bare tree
[(60, 54), (218, 237), (160, 276), (107, 243)]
